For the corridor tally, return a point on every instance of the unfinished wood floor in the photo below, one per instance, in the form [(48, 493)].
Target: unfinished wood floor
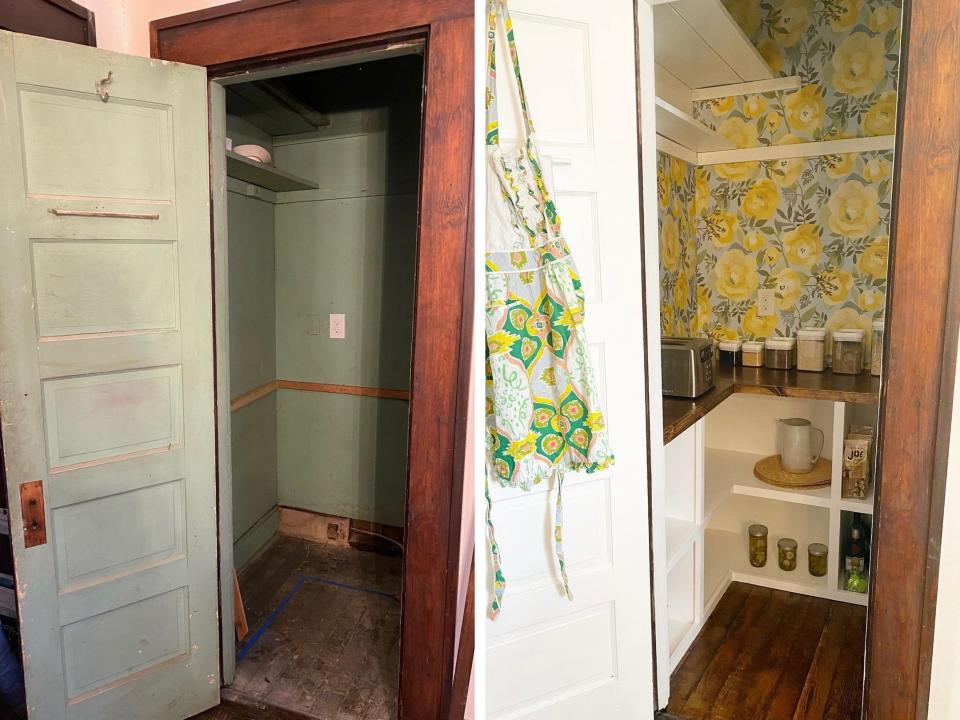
[(772, 655), (330, 652)]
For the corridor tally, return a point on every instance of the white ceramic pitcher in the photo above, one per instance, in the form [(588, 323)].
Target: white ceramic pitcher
[(795, 438)]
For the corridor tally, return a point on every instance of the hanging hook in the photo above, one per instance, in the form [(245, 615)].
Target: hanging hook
[(104, 95)]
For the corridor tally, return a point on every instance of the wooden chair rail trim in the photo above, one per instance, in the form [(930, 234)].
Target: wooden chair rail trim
[(252, 396)]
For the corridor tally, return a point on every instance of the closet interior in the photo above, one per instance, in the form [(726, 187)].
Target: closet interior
[(322, 242), (775, 150)]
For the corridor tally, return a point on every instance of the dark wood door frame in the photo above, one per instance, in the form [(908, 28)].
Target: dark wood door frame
[(920, 364), (54, 19), (247, 34)]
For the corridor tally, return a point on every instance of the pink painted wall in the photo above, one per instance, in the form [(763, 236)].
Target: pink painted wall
[(124, 25)]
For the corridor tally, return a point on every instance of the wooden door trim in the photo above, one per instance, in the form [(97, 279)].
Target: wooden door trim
[(920, 363), (74, 14), (254, 33)]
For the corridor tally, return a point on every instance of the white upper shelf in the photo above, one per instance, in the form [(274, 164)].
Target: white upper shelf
[(699, 43), (681, 128)]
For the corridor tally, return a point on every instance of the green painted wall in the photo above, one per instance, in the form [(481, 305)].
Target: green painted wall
[(349, 248), (252, 288)]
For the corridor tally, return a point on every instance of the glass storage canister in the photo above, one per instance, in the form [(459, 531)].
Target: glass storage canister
[(811, 343), (787, 553), (729, 353), (780, 353), (758, 545), (876, 352), (752, 353), (817, 559), (848, 352)]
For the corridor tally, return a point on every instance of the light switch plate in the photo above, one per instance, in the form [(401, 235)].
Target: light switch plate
[(338, 326), (765, 297)]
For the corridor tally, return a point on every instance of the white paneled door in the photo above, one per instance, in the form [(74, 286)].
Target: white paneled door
[(106, 380), (548, 657)]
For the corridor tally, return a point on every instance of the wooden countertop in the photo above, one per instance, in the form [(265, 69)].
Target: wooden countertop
[(680, 413)]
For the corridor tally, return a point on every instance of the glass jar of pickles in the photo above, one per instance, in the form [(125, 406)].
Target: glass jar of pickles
[(758, 545), (787, 553), (817, 559)]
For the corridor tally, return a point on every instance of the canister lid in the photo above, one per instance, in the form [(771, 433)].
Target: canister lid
[(878, 324), (817, 549), (812, 333), (752, 346), (730, 345), (787, 544), (757, 530), (850, 334), (780, 343)]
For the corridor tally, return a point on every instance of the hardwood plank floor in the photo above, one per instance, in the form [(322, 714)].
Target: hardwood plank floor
[(772, 655)]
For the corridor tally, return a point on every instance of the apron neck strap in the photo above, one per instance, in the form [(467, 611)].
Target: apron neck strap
[(496, 8)]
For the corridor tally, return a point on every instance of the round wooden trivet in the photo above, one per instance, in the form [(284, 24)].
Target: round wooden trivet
[(770, 471)]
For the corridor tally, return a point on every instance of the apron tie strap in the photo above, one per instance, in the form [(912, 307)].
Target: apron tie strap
[(499, 583), (558, 535)]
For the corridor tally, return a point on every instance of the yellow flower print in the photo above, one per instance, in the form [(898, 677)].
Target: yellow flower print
[(701, 190), (525, 446), (542, 417), (793, 22), (721, 106), (845, 14), (739, 132), (737, 172), (722, 227), (503, 470), (804, 109), (773, 121), (771, 256), (676, 170), (839, 166), (595, 421), (771, 53), (876, 170), (500, 342), (681, 292), (573, 410), (754, 106), (873, 260), (849, 319), (870, 299), (786, 171), (704, 309), (526, 277), (689, 254), (753, 241), (560, 424), (736, 275), (881, 118), (858, 65), (835, 285), (666, 319), (853, 209), (761, 200), (538, 325), (802, 245), (551, 444), (746, 13), (663, 188), (883, 18), (788, 287), (549, 377), (722, 332), (580, 438), (669, 243), (758, 326)]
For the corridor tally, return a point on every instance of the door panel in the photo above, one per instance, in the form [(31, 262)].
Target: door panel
[(547, 657), (106, 379)]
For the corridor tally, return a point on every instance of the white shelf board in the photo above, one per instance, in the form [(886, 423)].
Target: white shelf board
[(677, 630), (699, 43), (731, 472), (680, 535), (265, 176), (680, 127)]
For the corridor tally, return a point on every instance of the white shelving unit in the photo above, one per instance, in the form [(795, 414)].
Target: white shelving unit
[(712, 496), (680, 127)]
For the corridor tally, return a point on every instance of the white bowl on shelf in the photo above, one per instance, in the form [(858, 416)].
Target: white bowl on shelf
[(254, 152)]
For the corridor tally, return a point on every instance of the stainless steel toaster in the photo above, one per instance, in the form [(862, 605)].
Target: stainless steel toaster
[(687, 366)]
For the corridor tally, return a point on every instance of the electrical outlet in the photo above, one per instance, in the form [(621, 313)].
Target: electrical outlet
[(765, 297), (338, 326)]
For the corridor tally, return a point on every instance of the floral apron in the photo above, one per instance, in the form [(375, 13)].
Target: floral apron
[(542, 404)]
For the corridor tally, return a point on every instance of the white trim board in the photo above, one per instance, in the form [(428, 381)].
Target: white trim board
[(791, 82), (777, 152)]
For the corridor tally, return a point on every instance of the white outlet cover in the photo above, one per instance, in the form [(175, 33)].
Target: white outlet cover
[(765, 298), (338, 326)]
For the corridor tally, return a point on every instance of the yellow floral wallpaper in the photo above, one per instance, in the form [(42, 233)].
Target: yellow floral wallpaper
[(815, 229), (846, 54)]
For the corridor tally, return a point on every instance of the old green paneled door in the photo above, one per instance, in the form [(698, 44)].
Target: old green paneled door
[(106, 380)]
